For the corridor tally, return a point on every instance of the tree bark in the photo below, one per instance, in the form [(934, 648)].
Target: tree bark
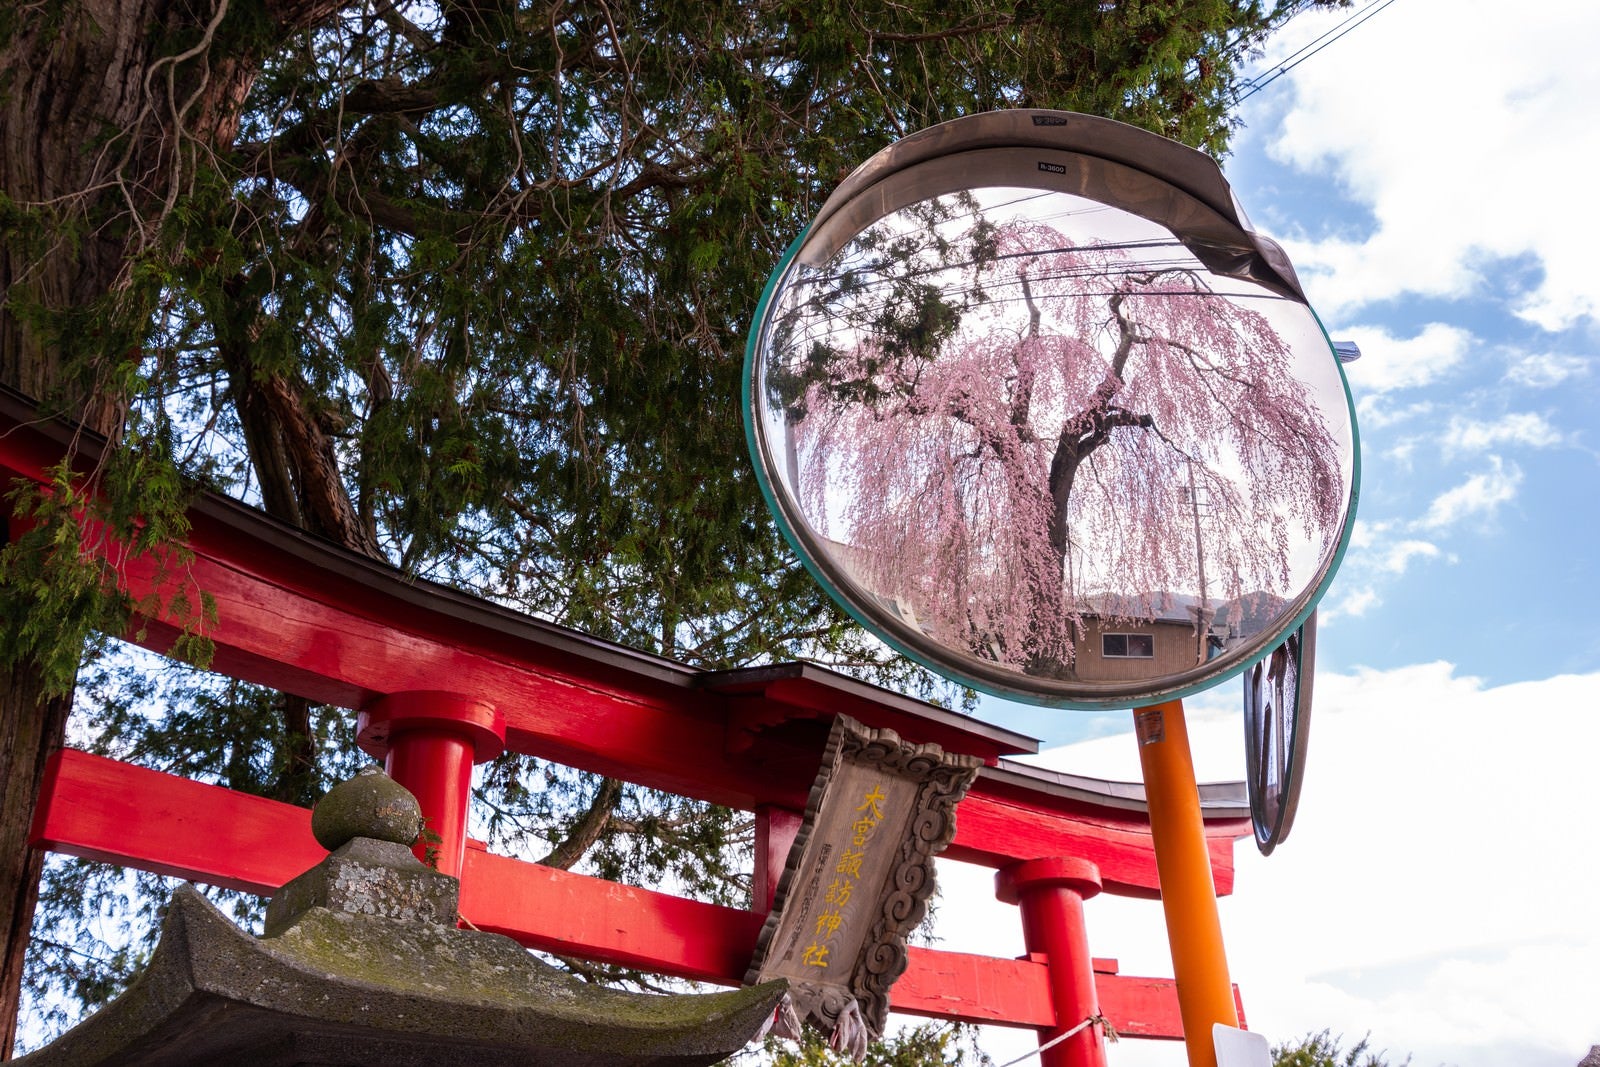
[(587, 830), (32, 727), (79, 204)]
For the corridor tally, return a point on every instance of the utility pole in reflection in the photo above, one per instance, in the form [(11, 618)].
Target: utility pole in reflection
[(1202, 611)]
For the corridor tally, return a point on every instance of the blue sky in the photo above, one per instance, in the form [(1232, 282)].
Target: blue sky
[(1432, 175), (1427, 174)]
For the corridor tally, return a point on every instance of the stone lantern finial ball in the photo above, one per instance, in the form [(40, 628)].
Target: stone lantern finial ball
[(369, 805)]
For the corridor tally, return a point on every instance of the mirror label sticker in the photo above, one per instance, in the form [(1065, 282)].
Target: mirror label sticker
[(1150, 726)]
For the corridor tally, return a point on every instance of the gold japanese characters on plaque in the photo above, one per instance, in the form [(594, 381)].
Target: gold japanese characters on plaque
[(858, 878)]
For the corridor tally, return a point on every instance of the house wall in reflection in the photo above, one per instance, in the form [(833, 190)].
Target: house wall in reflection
[(1120, 649)]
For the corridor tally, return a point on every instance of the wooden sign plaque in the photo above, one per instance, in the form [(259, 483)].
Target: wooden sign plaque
[(858, 878)]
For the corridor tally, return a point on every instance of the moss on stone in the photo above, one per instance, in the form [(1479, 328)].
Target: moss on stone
[(369, 805)]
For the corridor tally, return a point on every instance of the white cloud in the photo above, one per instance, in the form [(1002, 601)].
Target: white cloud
[(1400, 555), (1480, 495), (1388, 362), (1354, 604), (1545, 370), (1437, 890), (1375, 411), (1375, 557), (1366, 533), (1470, 138), (1378, 556), (1402, 454), (1518, 428)]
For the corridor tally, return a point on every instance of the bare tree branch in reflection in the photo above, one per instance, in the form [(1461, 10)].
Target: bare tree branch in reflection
[(1031, 444)]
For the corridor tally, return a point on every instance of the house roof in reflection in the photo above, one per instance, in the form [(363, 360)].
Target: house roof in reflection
[(1245, 614)]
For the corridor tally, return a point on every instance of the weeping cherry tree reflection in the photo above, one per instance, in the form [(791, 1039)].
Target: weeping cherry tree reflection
[(1023, 440)]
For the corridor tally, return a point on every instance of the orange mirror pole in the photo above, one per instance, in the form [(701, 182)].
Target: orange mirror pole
[(1188, 894)]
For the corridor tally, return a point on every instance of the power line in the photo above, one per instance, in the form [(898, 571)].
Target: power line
[(1312, 48)]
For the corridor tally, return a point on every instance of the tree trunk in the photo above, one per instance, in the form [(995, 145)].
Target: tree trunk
[(78, 207), (32, 726), (52, 112)]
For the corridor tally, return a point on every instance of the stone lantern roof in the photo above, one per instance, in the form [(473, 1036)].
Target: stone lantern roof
[(362, 964)]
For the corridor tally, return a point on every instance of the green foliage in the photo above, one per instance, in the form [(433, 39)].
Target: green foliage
[(96, 923), (925, 1045), (1324, 1050), (465, 286), (431, 842), (507, 265), (62, 566), (469, 287)]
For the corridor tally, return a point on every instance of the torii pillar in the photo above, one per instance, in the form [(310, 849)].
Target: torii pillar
[(1050, 893), (429, 740)]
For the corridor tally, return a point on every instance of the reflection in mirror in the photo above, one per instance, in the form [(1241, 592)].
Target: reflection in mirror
[(1277, 722), (1037, 443)]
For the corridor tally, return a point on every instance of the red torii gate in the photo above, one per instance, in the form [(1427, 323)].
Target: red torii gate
[(442, 679)]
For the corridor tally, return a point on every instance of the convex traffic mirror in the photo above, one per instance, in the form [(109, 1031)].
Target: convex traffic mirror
[(1039, 408), (1277, 726)]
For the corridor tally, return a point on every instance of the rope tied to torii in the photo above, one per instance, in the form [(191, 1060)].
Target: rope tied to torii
[(1093, 1020)]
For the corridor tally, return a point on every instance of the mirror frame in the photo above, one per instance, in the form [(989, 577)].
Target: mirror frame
[(1125, 167), (1271, 828)]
